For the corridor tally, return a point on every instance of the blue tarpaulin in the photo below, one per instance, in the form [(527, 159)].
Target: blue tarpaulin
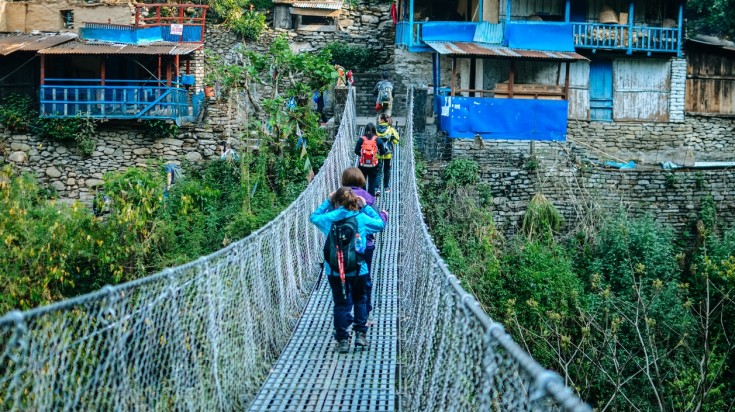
[(540, 36), (513, 119)]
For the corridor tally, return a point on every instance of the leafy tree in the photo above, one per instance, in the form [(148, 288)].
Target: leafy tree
[(715, 17)]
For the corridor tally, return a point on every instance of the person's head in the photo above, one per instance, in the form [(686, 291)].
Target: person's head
[(222, 146), (345, 197), (353, 177), (369, 130), (384, 75), (384, 118)]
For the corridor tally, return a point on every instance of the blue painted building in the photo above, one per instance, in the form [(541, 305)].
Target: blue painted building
[(521, 68), (127, 72)]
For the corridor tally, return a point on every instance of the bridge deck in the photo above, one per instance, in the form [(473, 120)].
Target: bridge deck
[(311, 376)]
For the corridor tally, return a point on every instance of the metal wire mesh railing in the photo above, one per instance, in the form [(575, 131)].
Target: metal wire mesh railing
[(454, 356), (201, 336)]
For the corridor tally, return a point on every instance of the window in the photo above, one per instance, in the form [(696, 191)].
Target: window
[(67, 19), (315, 23)]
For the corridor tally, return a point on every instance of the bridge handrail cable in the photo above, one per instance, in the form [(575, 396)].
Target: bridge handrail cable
[(491, 371), (198, 336)]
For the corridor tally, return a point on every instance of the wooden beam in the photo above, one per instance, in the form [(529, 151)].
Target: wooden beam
[(102, 70), (511, 78), (159, 67), (473, 75), (176, 66), (168, 72), (43, 68), (566, 83), (314, 12), (188, 61), (454, 73)]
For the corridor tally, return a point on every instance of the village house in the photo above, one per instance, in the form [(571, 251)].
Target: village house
[(535, 64), (112, 60)]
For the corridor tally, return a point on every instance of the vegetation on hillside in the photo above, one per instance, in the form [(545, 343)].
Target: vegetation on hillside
[(52, 250), (631, 320)]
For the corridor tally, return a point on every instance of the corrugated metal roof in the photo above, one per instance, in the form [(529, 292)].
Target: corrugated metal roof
[(31, 42), (79, 47), (487, 50), (324, 5)]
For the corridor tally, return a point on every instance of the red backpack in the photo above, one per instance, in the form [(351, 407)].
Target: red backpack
[(369, 152)]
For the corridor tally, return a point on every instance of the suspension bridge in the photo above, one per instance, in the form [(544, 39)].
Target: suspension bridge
[(249, 328)]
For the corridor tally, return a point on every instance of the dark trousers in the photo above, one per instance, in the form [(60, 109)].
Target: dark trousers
[(356, 287), (384, 175), (371, 176), (369, 282)]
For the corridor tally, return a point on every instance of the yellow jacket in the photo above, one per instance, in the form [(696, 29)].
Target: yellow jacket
[(389, 136)]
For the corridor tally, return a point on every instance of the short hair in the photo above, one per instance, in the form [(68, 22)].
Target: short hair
[(383, 117), (353, 177), (385, 75)]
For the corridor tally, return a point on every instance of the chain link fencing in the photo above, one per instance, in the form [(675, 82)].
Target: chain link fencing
[(201, 336), (454, 357)]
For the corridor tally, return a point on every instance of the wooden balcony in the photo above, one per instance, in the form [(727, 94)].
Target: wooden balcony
[(598, 36), (117, 99), (180, 23)]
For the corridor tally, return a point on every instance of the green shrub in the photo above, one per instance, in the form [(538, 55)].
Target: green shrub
[(355, 58), (159, 129), (541, 220), (78, 129), (17, 112), (249, 25), (45, 245)]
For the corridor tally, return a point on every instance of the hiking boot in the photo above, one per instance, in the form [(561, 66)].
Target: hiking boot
[(377, 193), (361, 340), (343, 346)]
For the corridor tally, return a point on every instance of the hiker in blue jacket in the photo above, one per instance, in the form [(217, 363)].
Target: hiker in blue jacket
[(341, 205), (353, 178)]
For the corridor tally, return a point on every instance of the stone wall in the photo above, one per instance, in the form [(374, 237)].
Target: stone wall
[(57, 165), (697, 138), (584, 195)]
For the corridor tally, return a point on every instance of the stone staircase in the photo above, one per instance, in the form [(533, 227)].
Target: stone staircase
[(365, 100)]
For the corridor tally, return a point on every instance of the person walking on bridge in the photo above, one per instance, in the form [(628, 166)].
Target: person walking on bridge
[(369, 149), (347, 220), (353, 178), (388, 136), (384, 92)]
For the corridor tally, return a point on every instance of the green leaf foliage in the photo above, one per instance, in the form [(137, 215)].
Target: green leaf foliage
[(618, 312)]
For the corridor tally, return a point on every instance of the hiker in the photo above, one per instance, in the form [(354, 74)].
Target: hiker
[(384, 92), (346, 220), (173, 174), (389, 137), (353, 178), (226, 152), (368, 148)]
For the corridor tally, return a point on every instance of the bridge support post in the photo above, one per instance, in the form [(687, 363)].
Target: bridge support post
[(340, 100), (419, 109)]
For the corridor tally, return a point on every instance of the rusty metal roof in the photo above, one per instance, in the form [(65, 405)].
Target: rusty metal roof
[(79, 47), (324, 5), (32, 42), (493, 51)]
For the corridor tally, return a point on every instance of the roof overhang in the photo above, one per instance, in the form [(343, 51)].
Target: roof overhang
[(317, 8), (78, 47), (30, 42), (495, 51)]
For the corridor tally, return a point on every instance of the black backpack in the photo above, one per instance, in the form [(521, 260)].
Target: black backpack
[(341, 240)]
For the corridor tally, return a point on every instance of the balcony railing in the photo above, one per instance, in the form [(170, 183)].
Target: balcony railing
[(154, 22), (621, 37), (116, 99), (409, 35)]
